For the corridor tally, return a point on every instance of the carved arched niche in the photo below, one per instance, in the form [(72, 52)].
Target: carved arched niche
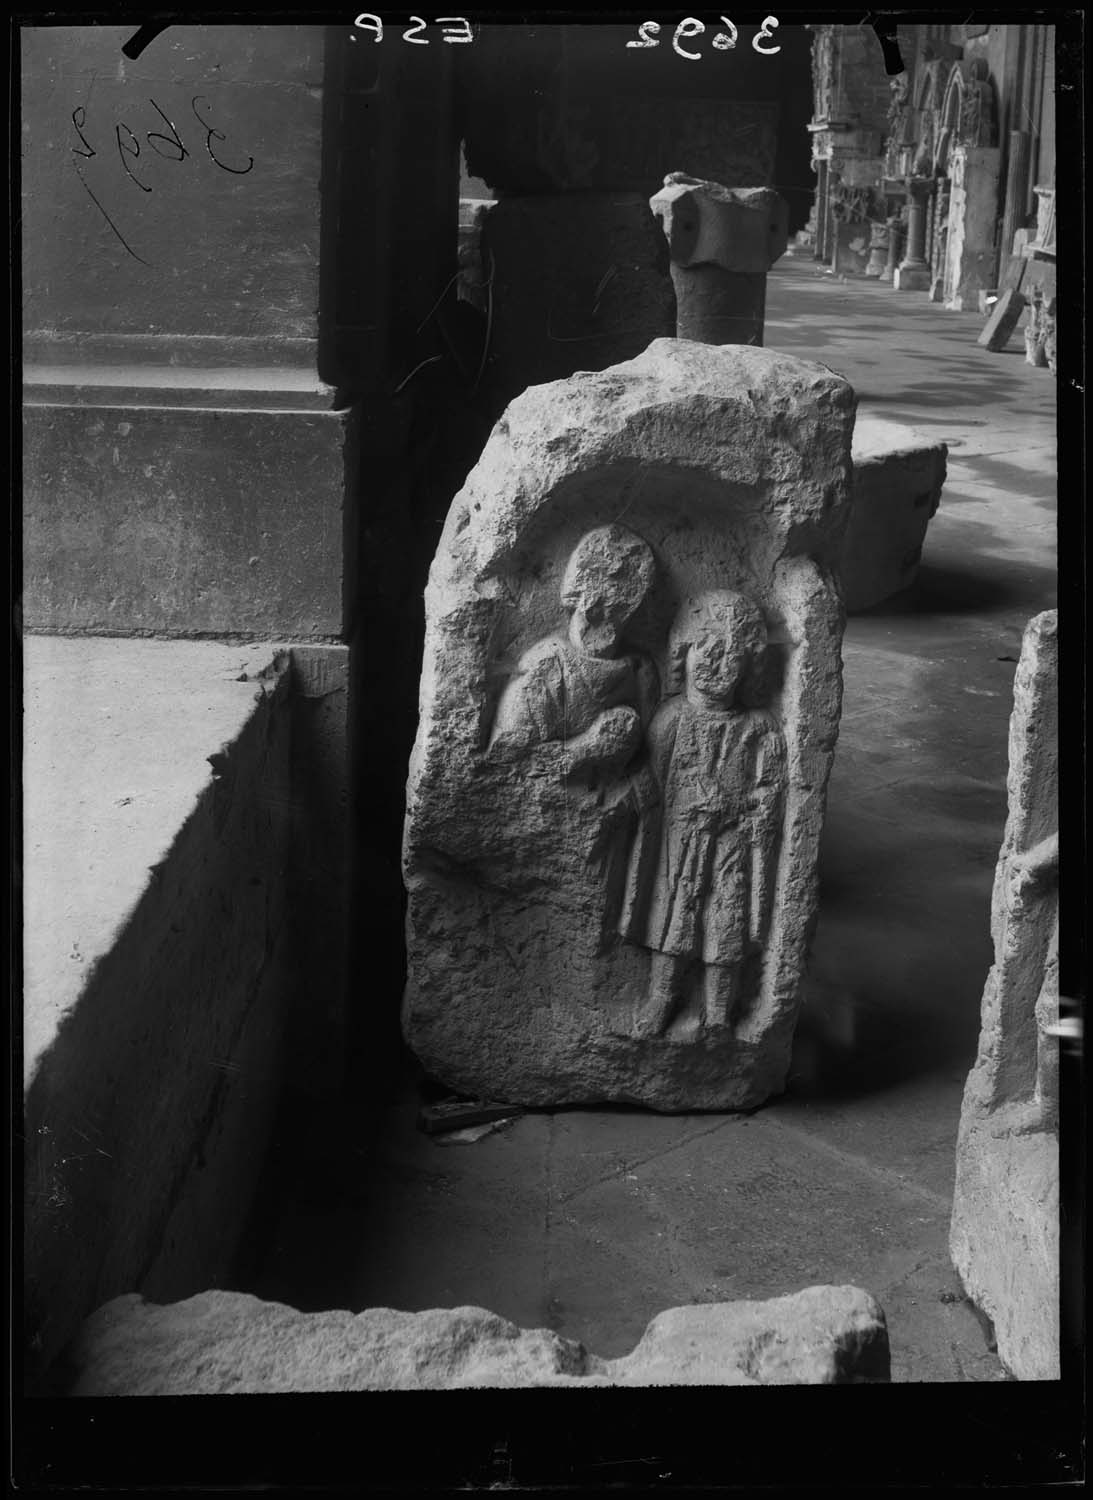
[(954, 106), (967, 115), (614, 525)]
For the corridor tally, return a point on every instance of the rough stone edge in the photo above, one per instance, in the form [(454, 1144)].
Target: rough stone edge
[(819, 1336)]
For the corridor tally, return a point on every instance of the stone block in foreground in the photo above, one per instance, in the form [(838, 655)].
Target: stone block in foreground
[(629, 704), (1004, 1236), (229, 1343)]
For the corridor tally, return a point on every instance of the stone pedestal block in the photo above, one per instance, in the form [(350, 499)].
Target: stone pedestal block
[(851, 248), (894, 226), (878, 249), (897, 489), (722, 242), (228, 1343), (970, 256), (577, 282), (911, 278), (186, 505), (629, 703), (1004, 1236)]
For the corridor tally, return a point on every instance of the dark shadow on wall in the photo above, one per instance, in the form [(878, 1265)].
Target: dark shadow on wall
[(793, 174)]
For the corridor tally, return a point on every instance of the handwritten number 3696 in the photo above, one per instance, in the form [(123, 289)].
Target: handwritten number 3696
[(170, 147)]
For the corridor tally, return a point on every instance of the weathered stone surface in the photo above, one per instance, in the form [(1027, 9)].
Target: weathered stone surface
[(159, 963), (851, 247), (970, 254), (610, 858), (1040, 332), (143, 228), (575, 282), (878, 248), (722, 242), (176, 511), (222, 1343), (1002, 321), (738, 229), (897, 489), (1005, 1226)]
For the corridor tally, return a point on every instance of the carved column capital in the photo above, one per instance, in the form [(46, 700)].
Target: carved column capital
[(706, 224), (722, 242)]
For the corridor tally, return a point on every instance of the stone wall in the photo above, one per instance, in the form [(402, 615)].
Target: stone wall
[(1005, 1226), (217, 271), (237, 375)]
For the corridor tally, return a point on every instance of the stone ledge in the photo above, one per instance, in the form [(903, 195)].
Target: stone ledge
[(166, 881), (231, 1343), (251, 388)]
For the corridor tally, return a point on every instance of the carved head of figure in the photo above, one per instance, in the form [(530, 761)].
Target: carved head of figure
[(607, 579), (716, 642)]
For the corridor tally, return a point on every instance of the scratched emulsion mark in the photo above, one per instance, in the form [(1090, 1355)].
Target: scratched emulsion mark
[(140, 39)]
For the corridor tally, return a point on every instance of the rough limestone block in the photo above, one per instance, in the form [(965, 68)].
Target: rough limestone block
[(1005, 1227), (897, 490), (1002, 321), (228, 1343), (629, 703)]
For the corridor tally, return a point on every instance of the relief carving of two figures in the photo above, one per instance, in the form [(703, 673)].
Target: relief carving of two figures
[(689, 791)]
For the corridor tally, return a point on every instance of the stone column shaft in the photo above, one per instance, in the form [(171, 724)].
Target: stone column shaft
[(1017, 170), (913, 272), (719, 307)]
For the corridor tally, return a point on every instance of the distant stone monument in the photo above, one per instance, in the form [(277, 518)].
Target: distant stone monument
[(630, 698), (1005, 1227)]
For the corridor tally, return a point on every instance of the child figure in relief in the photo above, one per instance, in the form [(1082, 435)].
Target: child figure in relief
[(721, 769)]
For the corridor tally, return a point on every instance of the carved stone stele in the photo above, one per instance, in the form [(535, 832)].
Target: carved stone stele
[(1004, 1237), (629, 703)]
